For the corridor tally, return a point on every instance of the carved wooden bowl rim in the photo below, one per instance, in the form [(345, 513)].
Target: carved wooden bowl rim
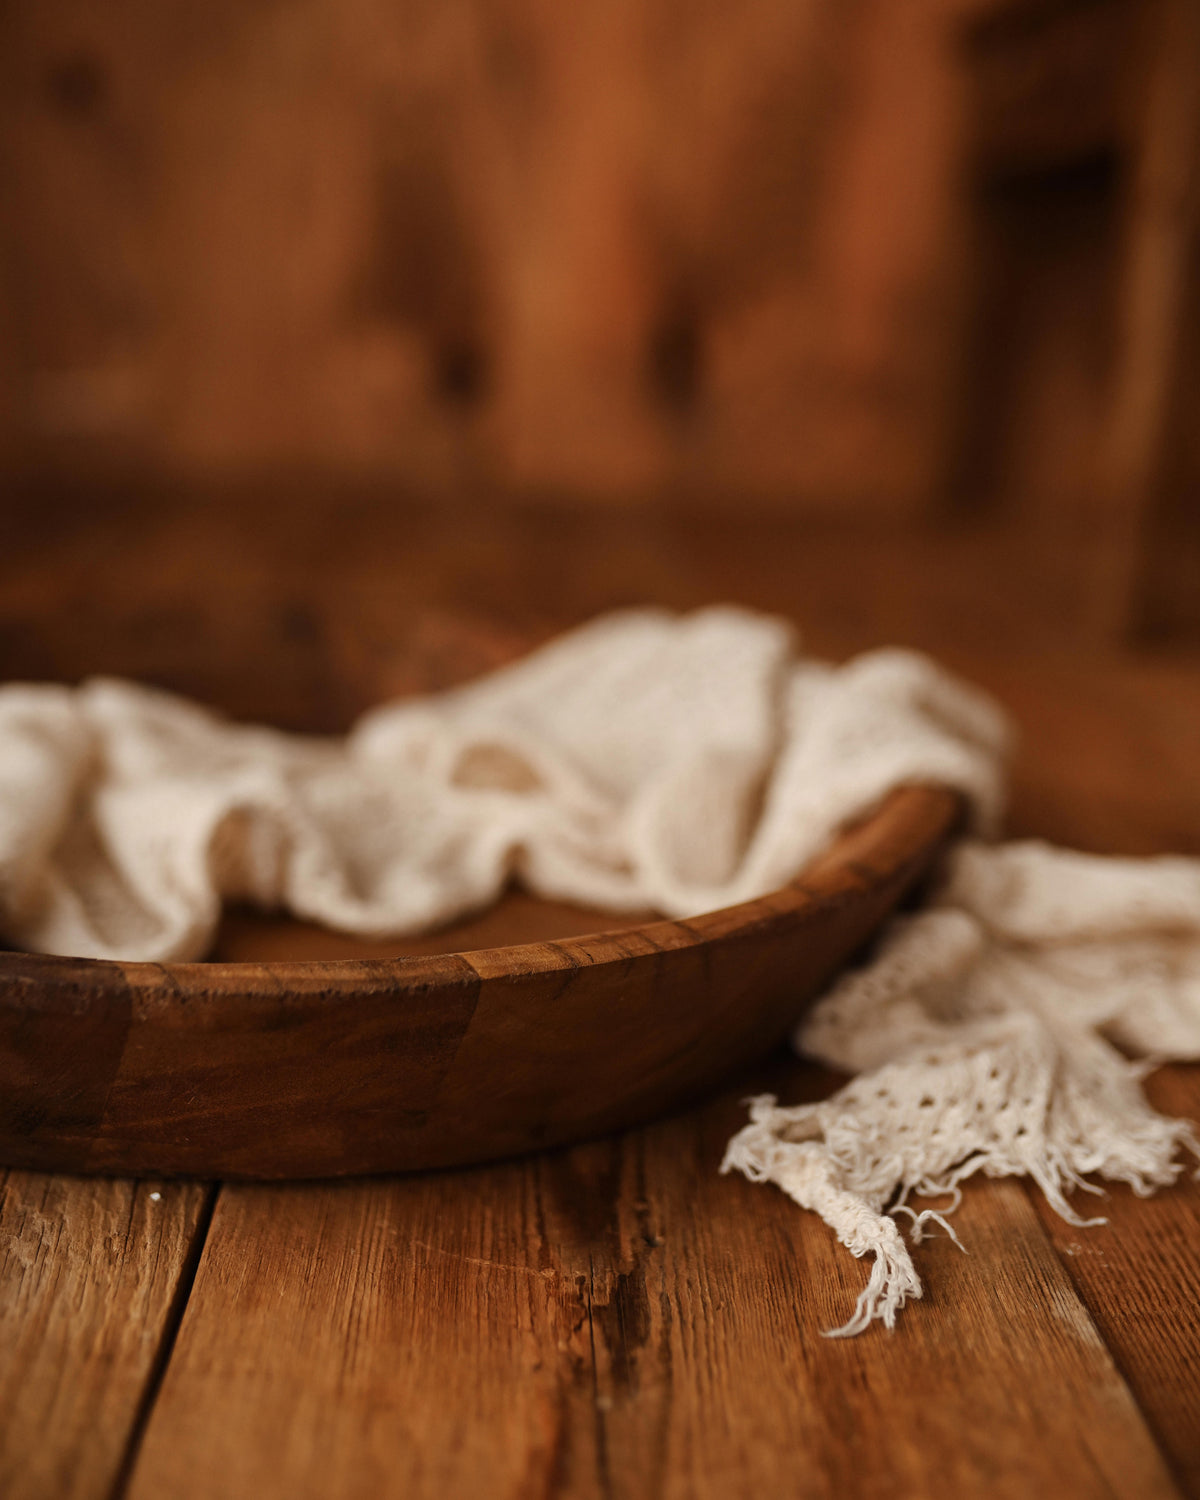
[(322, 1067)]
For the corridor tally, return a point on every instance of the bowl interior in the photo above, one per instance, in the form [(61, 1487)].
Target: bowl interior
[(249, 936)]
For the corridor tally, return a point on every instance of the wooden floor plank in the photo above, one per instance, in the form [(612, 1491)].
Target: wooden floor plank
[(614, 1321), (416, 1336), (1108, 763), (90, 1270), (1139, 1276), (995, 1384), (618, 1321)]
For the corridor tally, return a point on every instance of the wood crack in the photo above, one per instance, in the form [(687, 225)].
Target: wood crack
[(166, 1344)]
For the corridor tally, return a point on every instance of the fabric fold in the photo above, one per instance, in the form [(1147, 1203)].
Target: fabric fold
[(989, 1034), (678, 763), (643, 761)]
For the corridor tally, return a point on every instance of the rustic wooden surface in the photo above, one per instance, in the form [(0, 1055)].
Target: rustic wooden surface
[(862, 260), (754, 250), (612, 1319), (95, 1273), (486, 238), (279, 1069)]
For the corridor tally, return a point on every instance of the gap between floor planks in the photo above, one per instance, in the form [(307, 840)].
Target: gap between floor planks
[(609, 1320), (93, 1276), (716, 1383), (1139, 1278), (615, 1320)]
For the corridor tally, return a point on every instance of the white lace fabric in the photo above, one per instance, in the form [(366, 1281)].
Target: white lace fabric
[(682, 764)]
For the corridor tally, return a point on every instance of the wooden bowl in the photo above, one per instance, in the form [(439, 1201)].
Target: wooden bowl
[(315, 1069)]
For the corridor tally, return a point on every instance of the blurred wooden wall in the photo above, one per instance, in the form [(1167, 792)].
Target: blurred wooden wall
[(873, 257), (606, 246)]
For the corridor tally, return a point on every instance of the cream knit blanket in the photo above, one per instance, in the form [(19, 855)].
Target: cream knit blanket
[(648, 760)]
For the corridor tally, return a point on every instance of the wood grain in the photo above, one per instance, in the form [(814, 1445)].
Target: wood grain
[(478, 240), (350, 1066), (750, 256), (90, 1277), (1139, 1279), (617, 1320), (612, 1319)]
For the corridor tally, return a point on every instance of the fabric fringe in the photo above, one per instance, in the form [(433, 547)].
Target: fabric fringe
[(840, 1158)]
